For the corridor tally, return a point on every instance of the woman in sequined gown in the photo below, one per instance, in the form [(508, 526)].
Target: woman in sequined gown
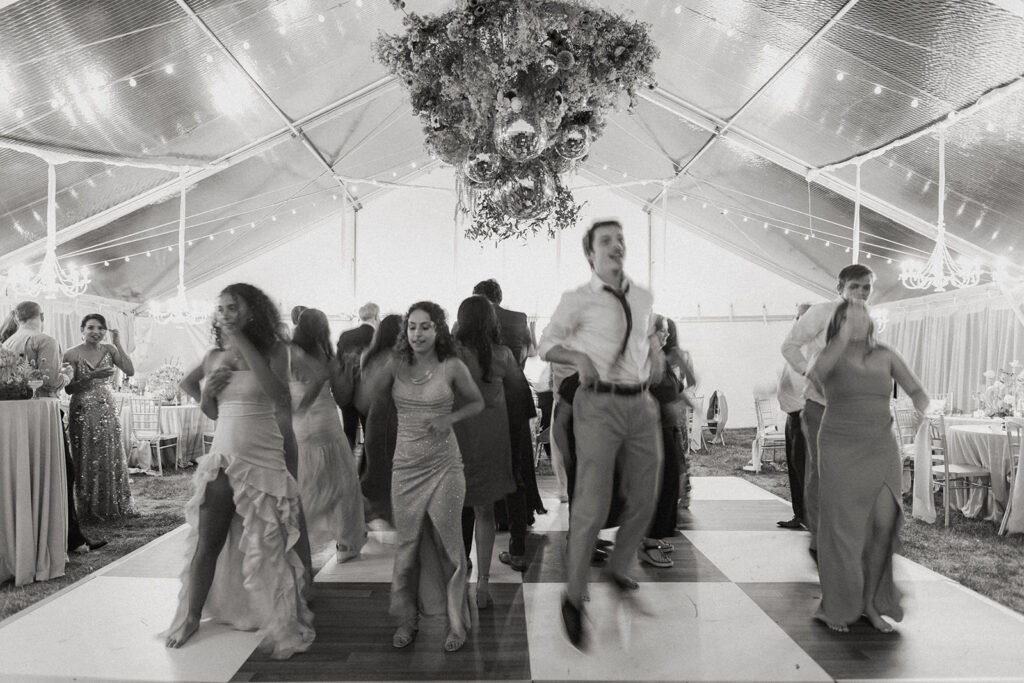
[(104, 490), (328, 481), (428, 487), (243, 548), (859, 468)]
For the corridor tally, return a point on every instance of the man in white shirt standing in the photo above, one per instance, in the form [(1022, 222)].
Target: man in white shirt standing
[(605, 330), (805, 341), (790, 393)]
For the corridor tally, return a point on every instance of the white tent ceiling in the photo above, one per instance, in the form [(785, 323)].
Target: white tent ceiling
[(281, 111)]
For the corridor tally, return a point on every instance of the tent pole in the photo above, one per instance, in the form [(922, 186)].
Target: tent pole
[(856, 221)]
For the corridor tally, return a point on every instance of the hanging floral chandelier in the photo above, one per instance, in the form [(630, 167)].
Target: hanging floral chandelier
[(512, 93), (940, 270), (178, 309), (51, 279)]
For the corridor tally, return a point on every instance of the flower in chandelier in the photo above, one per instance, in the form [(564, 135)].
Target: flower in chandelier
[(512, 93)]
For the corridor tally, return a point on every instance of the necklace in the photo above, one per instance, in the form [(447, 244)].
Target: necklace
[(424, 379)]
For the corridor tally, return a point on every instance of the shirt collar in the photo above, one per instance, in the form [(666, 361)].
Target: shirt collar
[(597, 284)]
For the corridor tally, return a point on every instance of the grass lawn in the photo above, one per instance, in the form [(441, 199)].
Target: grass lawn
[(969, 551)]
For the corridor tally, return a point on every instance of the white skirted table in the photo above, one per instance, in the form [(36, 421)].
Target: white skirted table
[(189, 423), (33, 491), (982, 445)]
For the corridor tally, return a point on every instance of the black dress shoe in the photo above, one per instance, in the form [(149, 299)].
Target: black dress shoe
[(603, 543), (795, 523), (597, 556), (96, 545), (572, 620)]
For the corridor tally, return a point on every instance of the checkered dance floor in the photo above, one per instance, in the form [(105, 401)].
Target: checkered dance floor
[(737, 605)]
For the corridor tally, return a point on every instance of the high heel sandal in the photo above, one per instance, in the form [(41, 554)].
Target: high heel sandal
[(483, 595), (454, 641)]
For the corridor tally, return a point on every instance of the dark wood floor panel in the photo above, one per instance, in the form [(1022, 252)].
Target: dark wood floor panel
[(734, 515), (354, 642), (690, 565)]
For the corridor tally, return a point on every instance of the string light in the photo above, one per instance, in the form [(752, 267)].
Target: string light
[(132, 82), (169, 69), (914, 102), (878, 90)]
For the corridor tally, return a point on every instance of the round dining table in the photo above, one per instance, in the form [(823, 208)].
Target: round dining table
[(33, 491)]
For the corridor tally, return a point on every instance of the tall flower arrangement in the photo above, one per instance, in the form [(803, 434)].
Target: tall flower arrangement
[(1003, 393), (512, 93)]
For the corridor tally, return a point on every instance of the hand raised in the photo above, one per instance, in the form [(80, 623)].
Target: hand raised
[(115, 337), (857, 322)]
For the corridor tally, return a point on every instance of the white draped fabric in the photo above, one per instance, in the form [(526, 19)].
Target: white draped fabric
[(951, 339)]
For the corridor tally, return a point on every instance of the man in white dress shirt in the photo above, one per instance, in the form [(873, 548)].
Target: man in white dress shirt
[(605, 330), (805, 341), (790, 393)]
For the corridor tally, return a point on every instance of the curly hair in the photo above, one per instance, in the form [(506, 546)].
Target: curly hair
[(261, 328), (478, 330), (313, 333), (444, 347)]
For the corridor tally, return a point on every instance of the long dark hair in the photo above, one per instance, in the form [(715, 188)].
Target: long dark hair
[(444, 346), (385, 337), (261, 328), (478, 330), (313, 333), (837, 322), (672, 340)]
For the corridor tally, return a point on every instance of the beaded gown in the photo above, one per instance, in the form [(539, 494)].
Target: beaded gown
[(328, 480), (259, 582), (427, 490), (104, 490), (859, 460)]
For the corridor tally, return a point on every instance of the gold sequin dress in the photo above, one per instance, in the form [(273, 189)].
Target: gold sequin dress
[(104, 491), (427, 489), (259, 582)]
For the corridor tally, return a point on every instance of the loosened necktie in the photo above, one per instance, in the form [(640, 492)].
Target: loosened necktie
[(621, 296)]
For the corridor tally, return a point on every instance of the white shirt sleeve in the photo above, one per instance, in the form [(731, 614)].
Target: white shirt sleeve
[(804, 331), (561, 327)]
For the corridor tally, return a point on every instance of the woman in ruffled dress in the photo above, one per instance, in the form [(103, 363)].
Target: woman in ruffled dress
[(104, 490), (428, 487), (244, 566), (328, 481)]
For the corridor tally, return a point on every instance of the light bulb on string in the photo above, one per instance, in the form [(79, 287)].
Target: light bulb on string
[(878, 90), (914, 102)]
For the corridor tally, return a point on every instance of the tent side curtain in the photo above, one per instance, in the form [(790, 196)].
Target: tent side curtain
[(62, 318), (952, 341)]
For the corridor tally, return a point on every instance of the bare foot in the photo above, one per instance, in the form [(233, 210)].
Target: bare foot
[(879, 623), (838, 628), (404, 635), (454, 641), (181, 635)]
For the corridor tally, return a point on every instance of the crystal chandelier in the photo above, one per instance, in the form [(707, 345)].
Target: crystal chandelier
[(940, 270), (51, 279), (178, 309)]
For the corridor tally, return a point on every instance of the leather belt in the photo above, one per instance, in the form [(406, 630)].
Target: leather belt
[(622, 389)]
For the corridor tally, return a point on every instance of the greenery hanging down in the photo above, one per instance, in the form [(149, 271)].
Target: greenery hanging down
[(512, 93)]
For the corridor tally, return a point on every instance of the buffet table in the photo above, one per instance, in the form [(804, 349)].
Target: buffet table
[(33, 491)]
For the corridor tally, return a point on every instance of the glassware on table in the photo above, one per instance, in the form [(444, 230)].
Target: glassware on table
[(35, 384)]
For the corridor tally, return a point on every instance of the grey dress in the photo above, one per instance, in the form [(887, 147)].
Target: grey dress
[(427, 490), (859, 460)]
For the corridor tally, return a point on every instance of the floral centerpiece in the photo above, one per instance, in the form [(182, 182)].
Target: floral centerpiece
[(512, 93), (163, 384), (15, 373), (1003, 393)]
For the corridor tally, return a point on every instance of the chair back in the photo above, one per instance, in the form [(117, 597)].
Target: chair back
[(942, 403), (1015, 443), (145, 417), (764, 408), (905, 424)]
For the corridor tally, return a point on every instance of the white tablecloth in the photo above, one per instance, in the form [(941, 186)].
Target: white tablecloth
[(33, 491), (983, 445), (189, 423)]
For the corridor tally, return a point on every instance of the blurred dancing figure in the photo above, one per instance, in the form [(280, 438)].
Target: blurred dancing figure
[(861, 510), (790, 392), (605, 329), (245, 538), (803, 344), (351, 344), (328, 482), (428, 487)]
